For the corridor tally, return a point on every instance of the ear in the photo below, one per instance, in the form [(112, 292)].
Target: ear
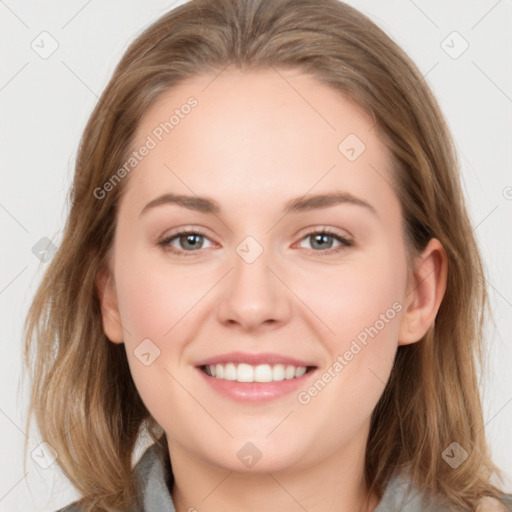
[(109, 310), (426, 288)]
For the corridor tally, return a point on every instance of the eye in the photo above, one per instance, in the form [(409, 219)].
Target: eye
[(187, 241), (323, 241), (190, 241)]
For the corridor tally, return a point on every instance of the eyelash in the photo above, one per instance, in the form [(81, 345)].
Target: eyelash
[(345, 243)]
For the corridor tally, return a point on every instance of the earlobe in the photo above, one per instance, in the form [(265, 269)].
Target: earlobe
[(425, 293), (111, 318)]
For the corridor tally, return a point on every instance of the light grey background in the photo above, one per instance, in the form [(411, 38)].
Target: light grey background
[(45, 104)]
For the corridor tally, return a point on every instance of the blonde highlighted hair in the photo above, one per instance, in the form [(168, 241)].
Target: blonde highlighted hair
[(83, 397)]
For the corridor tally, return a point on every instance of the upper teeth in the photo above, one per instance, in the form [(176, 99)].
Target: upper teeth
[(262, 373)]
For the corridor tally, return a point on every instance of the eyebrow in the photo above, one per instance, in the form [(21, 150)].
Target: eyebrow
[(298, 204)]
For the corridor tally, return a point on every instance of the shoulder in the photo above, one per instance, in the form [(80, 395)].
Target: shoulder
[(493, 505), (402, 495), (150, 474)]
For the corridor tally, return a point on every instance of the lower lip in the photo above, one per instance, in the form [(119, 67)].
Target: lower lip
[(255, 391)]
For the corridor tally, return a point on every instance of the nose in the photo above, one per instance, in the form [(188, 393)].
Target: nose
[(254, 295)]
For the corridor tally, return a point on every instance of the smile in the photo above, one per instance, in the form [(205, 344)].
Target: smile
[(243, 372)]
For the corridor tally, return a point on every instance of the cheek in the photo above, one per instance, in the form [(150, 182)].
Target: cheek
[(154, 297), (153, 309), (362, 307), (158, 303), (349, 299)]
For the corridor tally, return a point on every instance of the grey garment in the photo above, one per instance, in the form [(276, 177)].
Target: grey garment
[(400, 494)]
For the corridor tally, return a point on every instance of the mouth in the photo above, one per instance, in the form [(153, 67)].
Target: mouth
[(253, 378), (243, 372)]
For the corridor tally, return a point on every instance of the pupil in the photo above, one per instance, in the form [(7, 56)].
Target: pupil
[(189, 240), (322, 238)]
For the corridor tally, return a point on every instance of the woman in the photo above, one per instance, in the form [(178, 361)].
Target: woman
[(268, 266)]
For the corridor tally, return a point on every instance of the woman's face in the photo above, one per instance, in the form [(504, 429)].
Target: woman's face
[(256, 167)]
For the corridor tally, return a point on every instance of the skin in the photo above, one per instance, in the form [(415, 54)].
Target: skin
[(252, 144)]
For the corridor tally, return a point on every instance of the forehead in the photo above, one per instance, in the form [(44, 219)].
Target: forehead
[(271, 133)]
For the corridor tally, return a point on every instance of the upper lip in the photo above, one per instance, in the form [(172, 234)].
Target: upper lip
[(253, 359)]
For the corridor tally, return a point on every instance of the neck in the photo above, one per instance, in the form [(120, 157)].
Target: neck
[(334, 483)]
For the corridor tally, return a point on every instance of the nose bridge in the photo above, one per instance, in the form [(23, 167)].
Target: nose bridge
[(253, 295)]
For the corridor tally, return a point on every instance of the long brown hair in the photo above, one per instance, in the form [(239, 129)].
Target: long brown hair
[(83, 397)]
